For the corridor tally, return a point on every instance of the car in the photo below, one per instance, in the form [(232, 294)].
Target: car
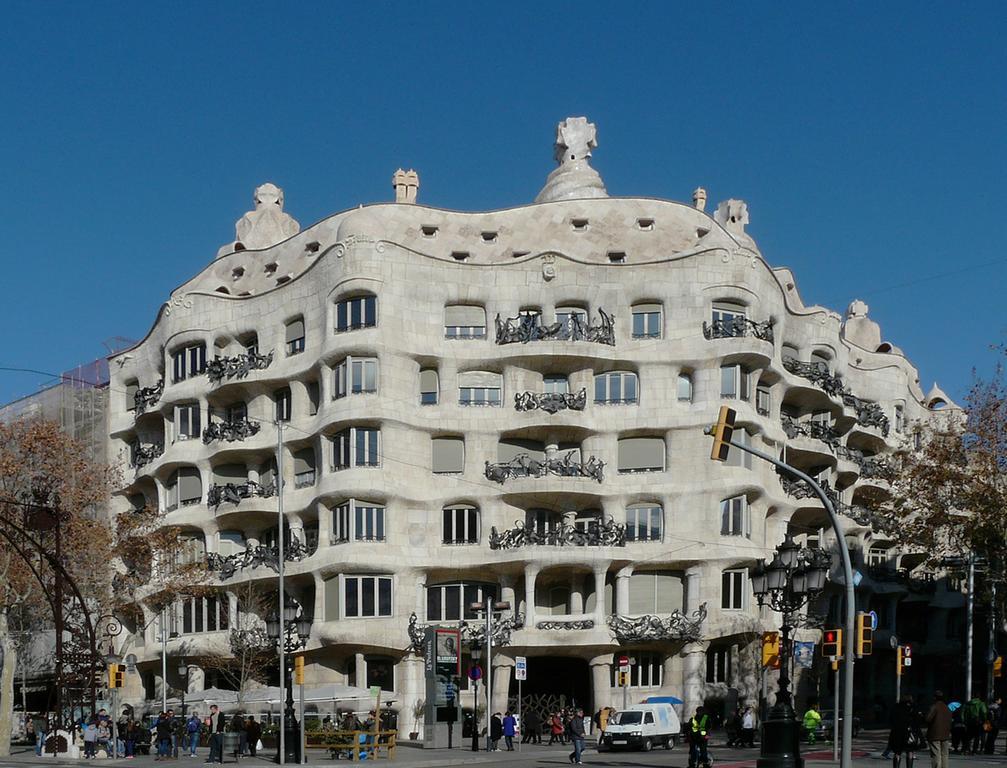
[(641, 726)]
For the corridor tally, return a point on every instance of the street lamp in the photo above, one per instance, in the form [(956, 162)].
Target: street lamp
[(793, 578), (113, 658), (492, 610), (476, 653), (183, 672), (293, 633)]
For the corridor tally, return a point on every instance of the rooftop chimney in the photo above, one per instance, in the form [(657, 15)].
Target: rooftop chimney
[(406, 184)]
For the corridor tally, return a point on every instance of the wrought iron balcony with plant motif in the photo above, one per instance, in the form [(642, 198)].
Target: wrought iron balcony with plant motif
[(238, 429), (816, 430), (569, 624), (474, 632), (236, 367), (227, 565), (233, 493), (523, 465), (145, 397), (876, 468), (738, 327), (817, 373), (604, 532), (677, 626), (869, 414), (144, 454), (529, 327), (551, 402)]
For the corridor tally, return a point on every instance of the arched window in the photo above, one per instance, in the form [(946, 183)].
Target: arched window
[(295, 336), (685, 387), (616, 388), (429, 386)]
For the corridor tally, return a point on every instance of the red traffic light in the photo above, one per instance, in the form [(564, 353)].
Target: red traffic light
[(831, 636)]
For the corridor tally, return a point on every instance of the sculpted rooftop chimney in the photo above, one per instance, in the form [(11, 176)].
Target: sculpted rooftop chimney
[(575, 178), (264, 226), (406, 184)]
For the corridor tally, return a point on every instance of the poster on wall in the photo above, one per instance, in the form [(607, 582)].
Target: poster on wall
[(447, 652)]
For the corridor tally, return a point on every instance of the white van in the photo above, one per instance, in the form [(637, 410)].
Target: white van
[(642, 726)]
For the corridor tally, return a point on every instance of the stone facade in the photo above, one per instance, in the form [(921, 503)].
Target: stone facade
[(429, 365)]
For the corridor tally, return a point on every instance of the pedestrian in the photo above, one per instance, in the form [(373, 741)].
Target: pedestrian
[(105, 736), (496, 730), (732, 728), (938, 731), (748, 728), (812, 719), (39, 724), (976, 714), (192, 728), (994, 719), (132, 734), (509, 730), (253, 731), (530, 728), (215, 723), (576, 732), (238, 727), (906, 735), (556, 729), (162, 734), (90, 739), (959, 742), (698, 735)]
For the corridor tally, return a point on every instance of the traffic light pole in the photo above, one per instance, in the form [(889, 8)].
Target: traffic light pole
[(850, 622)]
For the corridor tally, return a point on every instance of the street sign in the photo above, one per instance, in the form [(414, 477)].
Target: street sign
[(475, 672), (624, 663), (874, 620), (520, 668), (375, 690)]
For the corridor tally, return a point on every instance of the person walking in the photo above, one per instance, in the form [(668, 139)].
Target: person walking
[(938, 731), (906, 735), (131, 735), (253, 731), (496, 731), (40, 725), (530, 728), (215, 722), (555, 729), (812, 719), (976, 714), (509, 730), (162, 735), (994, 719), (698, 734), (576, 731), (748, 728), (238, 727), (192, 728)]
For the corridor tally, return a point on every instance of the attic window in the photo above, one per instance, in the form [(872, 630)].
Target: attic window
[(313, 246), (617, 257), (428, 231), (245, 293), (647, 225), (223, 289), (460, 255), (489, 237), (239, 246), (283, 279), (519, 254), (237, 273), (701, 233), (579, 225), (270, 269)]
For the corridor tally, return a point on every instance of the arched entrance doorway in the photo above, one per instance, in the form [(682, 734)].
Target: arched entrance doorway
[(554, 682)]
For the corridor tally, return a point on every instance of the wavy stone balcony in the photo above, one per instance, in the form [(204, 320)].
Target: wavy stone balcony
[(237, 366), (551, 402), (230, 431), (738, 327), (253, 557), (144, 454), (817, 373), (523, 465), (146, 397), (233, 493), (595, 533), (525, 328), (676, 626)]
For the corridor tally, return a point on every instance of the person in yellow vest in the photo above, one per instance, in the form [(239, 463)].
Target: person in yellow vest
[(697, 734), (812, 719)]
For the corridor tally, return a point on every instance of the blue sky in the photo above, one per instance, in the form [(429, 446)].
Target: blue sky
[(867, 138)]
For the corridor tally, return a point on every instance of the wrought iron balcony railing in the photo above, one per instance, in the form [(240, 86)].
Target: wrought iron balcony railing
[(238, 429), (144, 454), (817, 373), (869, 414), (475, 632), (529, 327), (816, 430), (567, 624), (261, 554), (145, 397), (738, 327), (604, 532), (233, 493), (676, 626), (551, 402), (523, 465), (236, 367)]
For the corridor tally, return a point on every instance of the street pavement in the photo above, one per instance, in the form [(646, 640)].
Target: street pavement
[(866, 751)]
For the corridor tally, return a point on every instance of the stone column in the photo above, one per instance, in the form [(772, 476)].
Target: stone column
[(360, 673), (693, 676), (507, 593), (576, 594), (601, 682), (600, 609), (502, 668), (530, 574), (622, 578), (693, 584), (197, 679), (413, 691)]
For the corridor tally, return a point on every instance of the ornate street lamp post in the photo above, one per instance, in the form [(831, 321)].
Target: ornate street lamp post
[(476, 653), (293, 633), (183, 672), (795, 577)]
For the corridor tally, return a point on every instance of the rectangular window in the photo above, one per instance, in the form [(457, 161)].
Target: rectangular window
[(188, 362), (647, 321), (368, 522), (304, 468), (877, 556), (366, 596), (641, 454), (356, 375), (453, 602), (556, 385), (619, 387), (132, 388), (738, 457), (643, 523), (358, 312), (448, 455), (573, 318), (763, 400), (295, 336), (900, 419), (464, 322), (188, 422), (646, 672), (732, 590), (356, 447), (461, 525), (684, 388), (734, 382), (479, 396), (341, 523), (429, 387), (735, 517), (718, 665), (281, 398), (725, 319)]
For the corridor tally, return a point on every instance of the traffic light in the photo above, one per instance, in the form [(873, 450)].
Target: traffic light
[(771, 650), (832, 643), (865, 634), (904, 658), (623, 679), (299, 670), (723, 431), (998, 666), (116, 675)]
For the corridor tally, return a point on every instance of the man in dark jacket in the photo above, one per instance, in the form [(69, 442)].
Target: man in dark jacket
[(531, 726), (576, 731), (254, 732), (216, 722), (939, 731)]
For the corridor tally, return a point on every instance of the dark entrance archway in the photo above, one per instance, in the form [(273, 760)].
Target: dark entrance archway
[(554, 682)]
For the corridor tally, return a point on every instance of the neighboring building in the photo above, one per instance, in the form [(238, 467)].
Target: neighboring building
[(508, 403)]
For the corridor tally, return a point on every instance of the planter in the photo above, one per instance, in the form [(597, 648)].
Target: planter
[(414, 735)]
